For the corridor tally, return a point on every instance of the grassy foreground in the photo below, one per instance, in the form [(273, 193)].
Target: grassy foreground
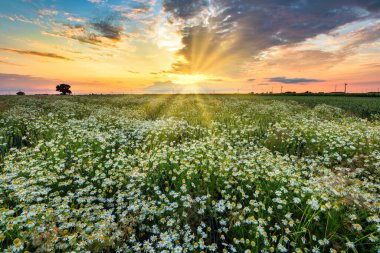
[(188, 173)]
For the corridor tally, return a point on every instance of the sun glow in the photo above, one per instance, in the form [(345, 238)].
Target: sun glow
[(189, 79)]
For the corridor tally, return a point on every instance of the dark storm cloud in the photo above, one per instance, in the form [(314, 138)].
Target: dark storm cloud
[(293, 80), (239, 29), (35, 53)]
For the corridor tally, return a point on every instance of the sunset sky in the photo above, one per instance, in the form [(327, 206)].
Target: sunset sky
[(161, 46)]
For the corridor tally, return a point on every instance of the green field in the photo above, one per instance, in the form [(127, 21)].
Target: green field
[(189, 173), (362, 106)]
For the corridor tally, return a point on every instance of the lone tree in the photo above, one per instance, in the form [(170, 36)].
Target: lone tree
[(20, 93), (64, 89)]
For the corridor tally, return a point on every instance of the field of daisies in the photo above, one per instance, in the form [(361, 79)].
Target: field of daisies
[(186, 173)]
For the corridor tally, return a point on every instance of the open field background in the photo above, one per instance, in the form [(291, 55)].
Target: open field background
[(364, 105), (174, 173)]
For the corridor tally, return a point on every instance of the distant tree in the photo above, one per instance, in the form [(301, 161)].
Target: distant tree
[(20, 93), (64, 89)]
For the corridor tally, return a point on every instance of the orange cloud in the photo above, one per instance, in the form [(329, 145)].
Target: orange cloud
[(42, 54)]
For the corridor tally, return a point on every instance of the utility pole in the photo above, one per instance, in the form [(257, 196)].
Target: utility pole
[(345, 88), (281, 89), (335, 87)]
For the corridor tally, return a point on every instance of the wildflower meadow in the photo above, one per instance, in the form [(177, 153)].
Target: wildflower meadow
[(187, 173)]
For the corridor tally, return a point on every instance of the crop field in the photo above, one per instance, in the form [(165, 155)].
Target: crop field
[(189, 173)]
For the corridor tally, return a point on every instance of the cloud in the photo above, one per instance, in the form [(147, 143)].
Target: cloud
[(77, 32), (47, 12), (243, 29), (184, 9), (216, 80), (76, 19), (134, 10), (363, 35), (96, 1), (293, 80), (108, 27), (36, 53), (133, 72), (11, 83), (101, 31), (323, 52), (251, 80), (371, 66), (9, 63), (162, 87), (20, 18), (16, 77)]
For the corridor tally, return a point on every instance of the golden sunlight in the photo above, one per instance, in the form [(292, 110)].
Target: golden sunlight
[(188, 79)]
